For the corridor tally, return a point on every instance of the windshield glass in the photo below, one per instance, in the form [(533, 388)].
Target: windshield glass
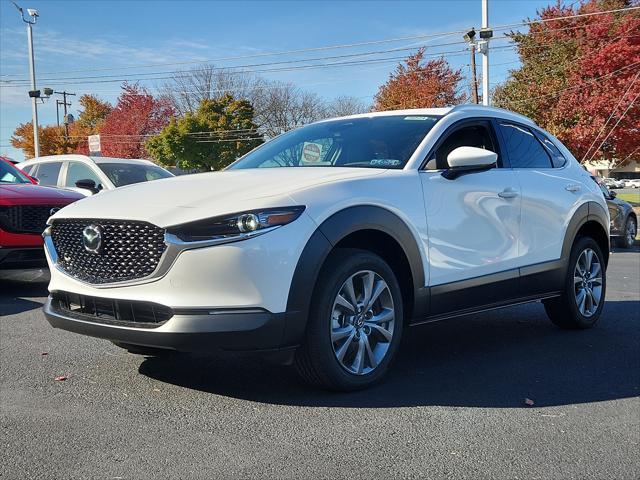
[(122, 174), (376, 142), (10, 174)]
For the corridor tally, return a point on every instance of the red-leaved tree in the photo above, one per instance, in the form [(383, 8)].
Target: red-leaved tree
[(416, 85), (580, 78), (136, 116)]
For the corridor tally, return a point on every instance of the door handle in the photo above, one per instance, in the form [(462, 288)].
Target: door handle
[(508, 193), (572, 187)]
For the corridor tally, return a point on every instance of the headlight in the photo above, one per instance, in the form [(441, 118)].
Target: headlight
[(237, 225)]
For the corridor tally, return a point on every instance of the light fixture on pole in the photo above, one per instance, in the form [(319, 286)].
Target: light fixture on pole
[(34, 94)]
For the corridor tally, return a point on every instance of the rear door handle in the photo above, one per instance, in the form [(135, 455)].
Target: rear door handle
[(508, 193), (572, 187)]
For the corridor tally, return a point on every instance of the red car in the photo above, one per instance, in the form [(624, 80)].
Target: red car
[(24, 210)]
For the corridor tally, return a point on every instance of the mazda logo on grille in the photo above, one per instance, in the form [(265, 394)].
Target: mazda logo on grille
[(92, 238)]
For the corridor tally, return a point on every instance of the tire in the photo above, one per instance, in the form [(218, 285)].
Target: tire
[(366, 339), (628, 238), (576, 308), (146, 351)]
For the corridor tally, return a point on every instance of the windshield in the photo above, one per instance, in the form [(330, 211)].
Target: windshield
[(377, 142), (10, 174), (122, 174)]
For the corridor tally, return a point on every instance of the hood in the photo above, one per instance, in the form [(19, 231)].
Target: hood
[(176, 200), (29, 194)]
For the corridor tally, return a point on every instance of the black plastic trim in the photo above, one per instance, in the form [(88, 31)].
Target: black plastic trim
[(329, 234)]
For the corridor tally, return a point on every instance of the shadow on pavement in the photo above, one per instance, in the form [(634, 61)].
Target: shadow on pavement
[(496, 359), (15, 285)]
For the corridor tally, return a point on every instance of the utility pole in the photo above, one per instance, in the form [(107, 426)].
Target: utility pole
[(485, 53), (66, 120), (33, 15), (474, 78), (469, 37)]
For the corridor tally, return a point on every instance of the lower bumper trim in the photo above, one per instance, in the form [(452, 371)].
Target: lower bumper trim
[(22, 257), (194, 332)]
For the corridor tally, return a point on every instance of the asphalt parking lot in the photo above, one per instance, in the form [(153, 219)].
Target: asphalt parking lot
[(453, 405)]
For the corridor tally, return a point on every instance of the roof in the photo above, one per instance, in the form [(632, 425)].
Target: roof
[(87, 158), (481, 110)]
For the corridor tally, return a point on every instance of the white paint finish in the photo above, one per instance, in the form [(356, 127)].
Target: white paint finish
[(471, 157), (550, 197), (472, 230), (250, 273), (183, 199)]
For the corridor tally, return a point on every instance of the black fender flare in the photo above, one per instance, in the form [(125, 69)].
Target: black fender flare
[(587, 212), (325, 238)]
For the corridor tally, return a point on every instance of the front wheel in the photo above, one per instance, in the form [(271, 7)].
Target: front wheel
[(581, 303), (355, 322)]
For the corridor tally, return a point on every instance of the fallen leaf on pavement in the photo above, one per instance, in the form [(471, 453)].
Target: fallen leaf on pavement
[(61, 378), (44, 353), (529, 402)]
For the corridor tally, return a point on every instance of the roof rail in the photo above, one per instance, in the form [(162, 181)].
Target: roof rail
[(476, 107)]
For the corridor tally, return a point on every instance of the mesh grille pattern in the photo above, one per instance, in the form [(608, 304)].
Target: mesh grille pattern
[(25, 218), (130, 250)]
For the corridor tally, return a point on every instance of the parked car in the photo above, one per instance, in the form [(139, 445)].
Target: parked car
[(324, 244), (624, 222), (613, 183), (632, 183), (24, 209), (89, 175)]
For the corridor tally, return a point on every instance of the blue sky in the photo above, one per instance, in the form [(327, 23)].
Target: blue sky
[(125, 36)]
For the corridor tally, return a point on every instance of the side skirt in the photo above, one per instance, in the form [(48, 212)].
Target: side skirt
[(496, 290)]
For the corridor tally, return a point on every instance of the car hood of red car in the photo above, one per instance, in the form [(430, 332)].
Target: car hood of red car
[(25, 193)]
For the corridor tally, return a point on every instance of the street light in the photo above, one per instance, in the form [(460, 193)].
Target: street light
[(34, 94)]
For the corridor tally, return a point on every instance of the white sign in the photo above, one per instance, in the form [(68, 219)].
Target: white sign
[(94, 143)]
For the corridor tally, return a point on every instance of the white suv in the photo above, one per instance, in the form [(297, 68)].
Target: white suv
[(89, 175), (322, 245)]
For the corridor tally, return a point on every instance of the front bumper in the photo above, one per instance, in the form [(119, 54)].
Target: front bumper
[(187, 331)]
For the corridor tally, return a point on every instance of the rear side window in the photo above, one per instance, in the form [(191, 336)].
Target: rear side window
[(28, 169), (557, 158), (523, 148), (48, 173)]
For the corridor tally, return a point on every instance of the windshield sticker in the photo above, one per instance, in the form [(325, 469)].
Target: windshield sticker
[(384, 162), (311, 152)]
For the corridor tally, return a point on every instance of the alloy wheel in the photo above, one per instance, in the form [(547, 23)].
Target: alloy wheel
[(630, 234), (587, 280), (362, 322)]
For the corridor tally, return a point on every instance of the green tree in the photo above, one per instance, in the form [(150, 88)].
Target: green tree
[(212, 137)]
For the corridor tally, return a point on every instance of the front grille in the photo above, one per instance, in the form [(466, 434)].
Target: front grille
[(130, 250), (110, 311), (25, 218)]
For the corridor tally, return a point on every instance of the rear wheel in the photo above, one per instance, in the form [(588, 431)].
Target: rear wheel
[(355, 323), (581, 303), (630, 231)]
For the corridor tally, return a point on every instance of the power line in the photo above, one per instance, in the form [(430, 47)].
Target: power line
[(611, 115), (351, 45), (614, 127)]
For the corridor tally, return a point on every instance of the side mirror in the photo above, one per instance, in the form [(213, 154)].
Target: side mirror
[(612, 194), (467, 160), (88, 184)]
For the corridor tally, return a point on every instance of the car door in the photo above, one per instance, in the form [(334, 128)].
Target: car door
[(473, 224), (550, 194)]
